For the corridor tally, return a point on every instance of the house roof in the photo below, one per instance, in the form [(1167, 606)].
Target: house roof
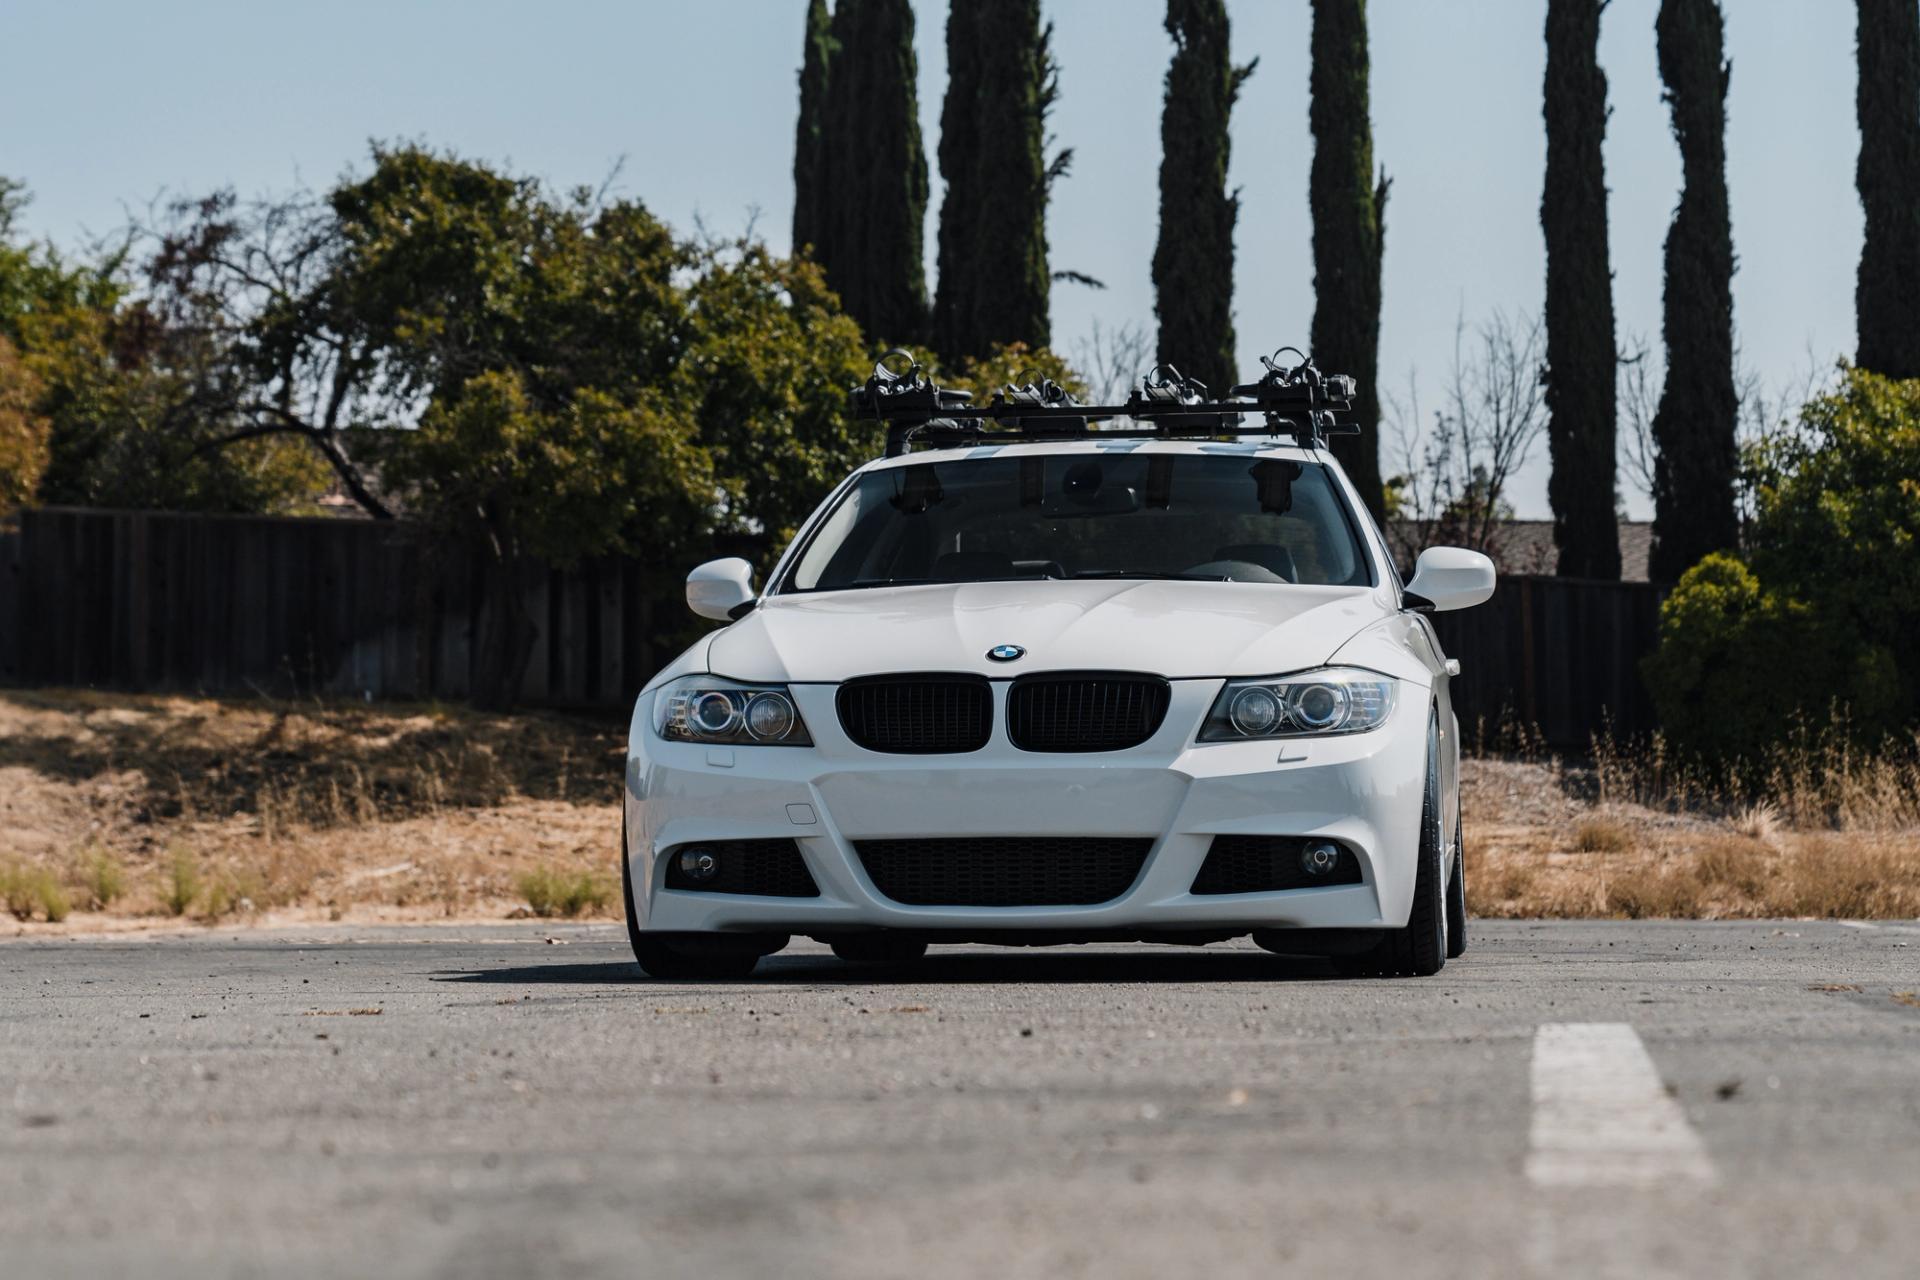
[(1526, 546)]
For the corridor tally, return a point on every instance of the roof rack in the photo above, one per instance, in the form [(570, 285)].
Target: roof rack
[(1296, 400)]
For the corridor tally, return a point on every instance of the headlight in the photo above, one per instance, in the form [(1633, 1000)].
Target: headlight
[(709, 709), (1315, 704)]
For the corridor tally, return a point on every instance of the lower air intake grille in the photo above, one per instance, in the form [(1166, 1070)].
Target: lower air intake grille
[(1085, 710), (1264, 864), (1004, 871), (917, 714), (768, 868)]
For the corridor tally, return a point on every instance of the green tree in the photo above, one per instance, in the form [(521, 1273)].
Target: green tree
[(1823, 610), (1193, 260), (125, 380), (1579, 307), (994, 286), (769, 358), (874, 198), (1349, 204), (1697, 460), (1887, 293), (809, 141), (24, 431)]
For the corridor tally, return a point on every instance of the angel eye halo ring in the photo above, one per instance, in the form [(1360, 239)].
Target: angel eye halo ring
[(1323, 703), (712, 710)]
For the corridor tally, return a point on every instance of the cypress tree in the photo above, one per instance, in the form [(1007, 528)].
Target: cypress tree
[(1581, 357), (1193, 261), (1001, 81), (1693, 428), (1886, 296), (875, 199), (1349, 229), (808, 139)]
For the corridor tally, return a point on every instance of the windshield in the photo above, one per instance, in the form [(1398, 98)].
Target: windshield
[(1221, 517)]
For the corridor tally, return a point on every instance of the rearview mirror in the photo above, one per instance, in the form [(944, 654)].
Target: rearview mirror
[(718, 587), (1449, 578)]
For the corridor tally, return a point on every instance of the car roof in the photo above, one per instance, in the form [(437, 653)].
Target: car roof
[(1262, 446)]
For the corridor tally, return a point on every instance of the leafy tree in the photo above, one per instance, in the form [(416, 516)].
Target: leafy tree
[(1887, 294), (873, 201), (1822, 612), (1014, 365), (1697, 460), (527, 477), (1193, 261), (809, 142), (994, 286), (23, 431), (1579, 305), (124, 382), (768, 361), (1349, 229)]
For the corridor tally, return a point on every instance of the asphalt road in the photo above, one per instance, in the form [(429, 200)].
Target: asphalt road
[(1569, 1099)]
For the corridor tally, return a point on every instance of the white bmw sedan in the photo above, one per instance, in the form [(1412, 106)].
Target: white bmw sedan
[(1060, 691)]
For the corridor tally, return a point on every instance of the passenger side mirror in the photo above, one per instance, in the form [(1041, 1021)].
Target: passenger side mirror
[(1449, 578), (718, 587)]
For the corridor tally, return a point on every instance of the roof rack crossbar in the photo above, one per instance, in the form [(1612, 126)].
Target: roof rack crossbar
[(1296, 400)]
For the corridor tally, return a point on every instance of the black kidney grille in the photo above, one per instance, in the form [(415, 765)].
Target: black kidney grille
[(1264, 864), (1085, 711), (768, 868), (1004, 871), (917, 714)]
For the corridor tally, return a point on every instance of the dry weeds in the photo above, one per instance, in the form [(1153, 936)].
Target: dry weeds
[(1823, 830), (127, 809), (203, 810)]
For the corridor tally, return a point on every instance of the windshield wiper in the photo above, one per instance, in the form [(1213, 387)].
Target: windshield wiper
[(1151, 574)]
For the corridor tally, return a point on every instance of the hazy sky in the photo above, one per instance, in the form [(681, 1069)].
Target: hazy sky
[(107, 104)]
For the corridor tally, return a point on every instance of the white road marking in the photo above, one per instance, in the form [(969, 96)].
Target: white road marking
[(1601, 1117), (1857, 924)]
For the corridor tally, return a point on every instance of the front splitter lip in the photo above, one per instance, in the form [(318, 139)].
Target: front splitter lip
[(1347, 906)]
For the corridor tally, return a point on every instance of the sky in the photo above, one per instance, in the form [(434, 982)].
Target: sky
[(110, 104)]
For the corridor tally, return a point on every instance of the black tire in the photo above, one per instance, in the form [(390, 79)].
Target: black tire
[(877, 948), (660, 959), (1421, 948), (1457, 898), (664, 960)]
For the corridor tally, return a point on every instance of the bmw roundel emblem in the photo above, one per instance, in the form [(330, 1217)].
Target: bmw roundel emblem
[(1005, 652)]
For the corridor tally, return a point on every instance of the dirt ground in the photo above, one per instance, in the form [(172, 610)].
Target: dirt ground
[(125, 812)]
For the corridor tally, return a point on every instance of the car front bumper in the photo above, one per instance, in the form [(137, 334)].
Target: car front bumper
[(1363, 789)]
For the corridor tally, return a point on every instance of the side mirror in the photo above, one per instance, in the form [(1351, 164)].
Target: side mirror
[(718, 587), (1449, 578)]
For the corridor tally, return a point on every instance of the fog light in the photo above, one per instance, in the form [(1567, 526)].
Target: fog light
[(699, 864), (1319, 857)]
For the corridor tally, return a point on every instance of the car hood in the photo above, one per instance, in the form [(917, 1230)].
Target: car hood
[(1174, 629)]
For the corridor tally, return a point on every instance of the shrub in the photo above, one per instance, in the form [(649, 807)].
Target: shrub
[(182, 884), (102, 878), (1738, 664), (555, 893), (30, 889), (1821, 615), (15, 890)]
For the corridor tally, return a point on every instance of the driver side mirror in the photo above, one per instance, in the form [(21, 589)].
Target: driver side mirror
[(1449, 578), (718, 587)]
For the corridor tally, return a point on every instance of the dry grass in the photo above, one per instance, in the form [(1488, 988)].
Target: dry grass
[(1821, 830), (553, 892), (197, 809), (124, 809)]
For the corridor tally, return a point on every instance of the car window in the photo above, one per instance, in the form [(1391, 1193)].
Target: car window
[(1236, 517)]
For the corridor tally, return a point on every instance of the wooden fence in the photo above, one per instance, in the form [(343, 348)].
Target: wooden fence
[(232, 604), (226, 604)]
